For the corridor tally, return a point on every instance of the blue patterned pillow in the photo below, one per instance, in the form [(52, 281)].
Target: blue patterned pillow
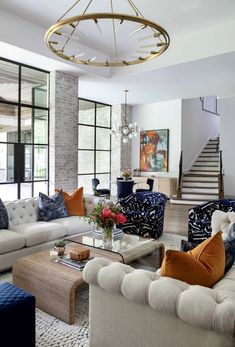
[(229, 247), (231, 233), (51, 207), (187, 246), (3, 216)]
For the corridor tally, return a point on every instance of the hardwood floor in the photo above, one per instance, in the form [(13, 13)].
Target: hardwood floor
[(176, 219)]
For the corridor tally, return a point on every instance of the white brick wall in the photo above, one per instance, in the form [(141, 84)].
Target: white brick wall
[(63, 131), (121, 152)]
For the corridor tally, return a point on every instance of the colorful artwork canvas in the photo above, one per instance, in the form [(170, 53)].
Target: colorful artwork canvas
[(154, 150)]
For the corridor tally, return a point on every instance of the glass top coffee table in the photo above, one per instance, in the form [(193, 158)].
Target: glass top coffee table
[(129, 247)]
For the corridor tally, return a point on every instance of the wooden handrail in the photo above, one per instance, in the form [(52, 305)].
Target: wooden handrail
[(221, 177), (180, 179)]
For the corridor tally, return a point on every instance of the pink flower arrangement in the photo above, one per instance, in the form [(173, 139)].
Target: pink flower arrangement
[(106, 217)]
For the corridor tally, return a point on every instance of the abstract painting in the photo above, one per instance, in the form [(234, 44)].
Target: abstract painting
[(154, 150)]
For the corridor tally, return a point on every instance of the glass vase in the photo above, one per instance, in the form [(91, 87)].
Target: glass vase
[(108, 237)]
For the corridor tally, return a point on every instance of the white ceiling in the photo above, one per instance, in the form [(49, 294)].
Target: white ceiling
[(200, 60), (177, 16)]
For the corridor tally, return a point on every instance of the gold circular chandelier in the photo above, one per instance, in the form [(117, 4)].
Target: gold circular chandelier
[(121, 37)]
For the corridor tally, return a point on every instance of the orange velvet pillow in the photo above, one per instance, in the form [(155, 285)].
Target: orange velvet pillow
[(74, 202), (204, 265)]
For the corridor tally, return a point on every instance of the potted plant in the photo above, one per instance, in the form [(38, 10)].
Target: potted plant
[(105, 218), (126, 174), (60, 247)]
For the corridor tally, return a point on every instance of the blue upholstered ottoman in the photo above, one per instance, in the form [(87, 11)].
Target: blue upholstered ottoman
[(17, 317)]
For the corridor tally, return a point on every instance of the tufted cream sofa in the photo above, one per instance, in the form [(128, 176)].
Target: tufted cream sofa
[(138, 308), (27, 235)]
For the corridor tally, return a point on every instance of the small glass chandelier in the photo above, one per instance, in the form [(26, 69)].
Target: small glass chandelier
[(127, 131)]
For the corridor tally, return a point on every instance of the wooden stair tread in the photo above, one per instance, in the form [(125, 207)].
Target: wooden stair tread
[(205, 165), (204, 170), (207, 161), (205, 152)]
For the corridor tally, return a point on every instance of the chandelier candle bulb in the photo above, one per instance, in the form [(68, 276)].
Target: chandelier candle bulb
[(136, 31)]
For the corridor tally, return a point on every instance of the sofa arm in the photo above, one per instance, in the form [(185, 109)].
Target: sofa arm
[(199, 306)]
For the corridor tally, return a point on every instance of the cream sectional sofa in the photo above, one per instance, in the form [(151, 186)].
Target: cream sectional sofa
[(26, 235), (138, 308)]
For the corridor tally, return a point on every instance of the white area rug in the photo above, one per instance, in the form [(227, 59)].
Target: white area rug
[(51, 332), (172, 241)]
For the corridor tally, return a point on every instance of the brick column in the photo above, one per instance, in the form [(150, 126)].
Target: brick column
[(121, 152), (63, 131)]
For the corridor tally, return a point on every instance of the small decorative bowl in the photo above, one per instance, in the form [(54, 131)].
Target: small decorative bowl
[(60, 250)]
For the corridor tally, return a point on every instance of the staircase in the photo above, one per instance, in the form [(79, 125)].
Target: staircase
[(201, 182)]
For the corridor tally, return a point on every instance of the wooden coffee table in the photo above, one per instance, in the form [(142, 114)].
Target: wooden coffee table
[(54, 284)]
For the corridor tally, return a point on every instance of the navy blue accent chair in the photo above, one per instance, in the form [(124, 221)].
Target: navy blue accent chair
[(17, 317), (150, 183), (124, 188), (199, 224), (99, 192), (144, 212)]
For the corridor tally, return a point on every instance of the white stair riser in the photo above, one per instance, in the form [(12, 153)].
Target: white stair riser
[(205, 168), (204, 172), (214, 155), (210, 148), (200, 178), (201, 190), (200, 184), (198, 196)]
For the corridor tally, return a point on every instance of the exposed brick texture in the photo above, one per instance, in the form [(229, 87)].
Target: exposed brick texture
[(63, 131), (121, 152)]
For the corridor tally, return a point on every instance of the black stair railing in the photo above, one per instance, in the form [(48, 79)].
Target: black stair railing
[(180, 179), (221, 177)]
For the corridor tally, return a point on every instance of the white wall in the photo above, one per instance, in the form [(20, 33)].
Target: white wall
[(163, 115), (197, 128), (227, 140)]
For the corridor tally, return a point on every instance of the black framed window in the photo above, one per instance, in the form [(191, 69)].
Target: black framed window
[(94, 144), (24, 130)]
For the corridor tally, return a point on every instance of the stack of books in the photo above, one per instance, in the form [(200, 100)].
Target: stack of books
[(116, 233), (75, 264)]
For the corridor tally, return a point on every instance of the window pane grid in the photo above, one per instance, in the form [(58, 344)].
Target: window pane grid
[(27, 94), (100, 122)]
